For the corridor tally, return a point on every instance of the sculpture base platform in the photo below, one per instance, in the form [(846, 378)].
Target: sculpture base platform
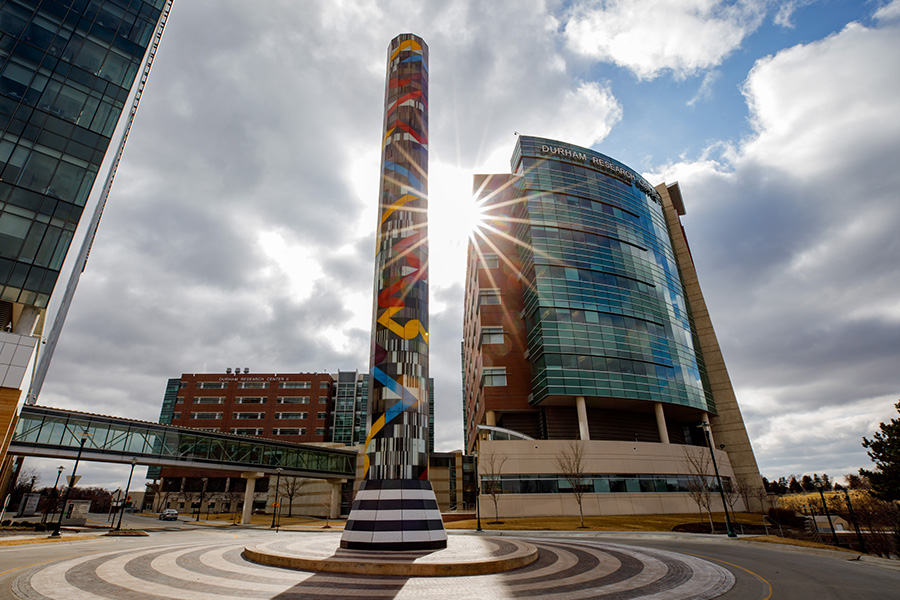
[(464, 555), (394, 515)]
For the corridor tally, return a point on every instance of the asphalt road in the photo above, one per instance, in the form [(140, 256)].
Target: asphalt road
[(768, 571), (762, 571)]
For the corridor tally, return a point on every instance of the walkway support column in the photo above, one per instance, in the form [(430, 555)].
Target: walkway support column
[(661, 422), (334, 505), (583, 430), (248, 495)]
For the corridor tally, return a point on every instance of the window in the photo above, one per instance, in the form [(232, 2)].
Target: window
[(494, 376), (212, 385), (293, 400), (176, 416), (179, 400), (182, 385), (246, 431), (320, 431), (255, 415), (295, 385), (490, 261), (488, 297), (210, 429), (323, 400), (491, 335), (253, 385), (298, 415), (321, 415), (209, 400), (250, 400), (206, 415), (290, 431)]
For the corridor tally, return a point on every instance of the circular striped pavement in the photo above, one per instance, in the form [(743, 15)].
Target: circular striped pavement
[(564, 570), (464, 555)]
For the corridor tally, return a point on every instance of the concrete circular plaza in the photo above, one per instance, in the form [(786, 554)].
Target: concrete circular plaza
[(216, 571)]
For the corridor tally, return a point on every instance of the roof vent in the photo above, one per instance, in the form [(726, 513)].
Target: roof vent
[(228, 371), (246, 370)]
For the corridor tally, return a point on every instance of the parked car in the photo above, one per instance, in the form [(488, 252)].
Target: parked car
[(170, 514)]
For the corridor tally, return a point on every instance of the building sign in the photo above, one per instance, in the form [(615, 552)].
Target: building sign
[(599, 162)]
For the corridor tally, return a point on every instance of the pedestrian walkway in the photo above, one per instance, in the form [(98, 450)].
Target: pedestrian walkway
[(565, 569)]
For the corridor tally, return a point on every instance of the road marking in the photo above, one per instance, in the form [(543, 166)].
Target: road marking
[(43, 562), (725, 562)]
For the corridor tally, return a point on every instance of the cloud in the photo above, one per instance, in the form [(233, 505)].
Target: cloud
[(889, 11), (794, 235), (650, 37), (786, 11)]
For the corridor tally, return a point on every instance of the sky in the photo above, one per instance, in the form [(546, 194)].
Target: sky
[(241, 227)]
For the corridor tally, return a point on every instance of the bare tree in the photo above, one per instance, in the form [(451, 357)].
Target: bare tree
[(700, 485), (293, 487), (491, 484), (571, 464)]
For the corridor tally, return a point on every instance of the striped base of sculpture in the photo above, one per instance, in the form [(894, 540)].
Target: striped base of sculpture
[(394, 514)]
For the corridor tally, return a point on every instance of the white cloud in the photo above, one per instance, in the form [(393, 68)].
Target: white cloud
[(786, 12), (652, 36), (889, 11), (794, 235)]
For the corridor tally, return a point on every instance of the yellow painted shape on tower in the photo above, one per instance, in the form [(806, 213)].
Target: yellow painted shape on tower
[(408, 331), (390, 209), (411, 44)]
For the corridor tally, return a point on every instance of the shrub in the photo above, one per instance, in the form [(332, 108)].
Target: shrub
[(786, 517)]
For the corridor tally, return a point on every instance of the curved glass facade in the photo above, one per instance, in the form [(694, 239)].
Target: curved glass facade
[(604, 306)]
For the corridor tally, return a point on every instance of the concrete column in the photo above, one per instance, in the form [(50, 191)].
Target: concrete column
[(712, 440), (248, 495), (583, 430), (334, 505), (490, 418), (661, 422)]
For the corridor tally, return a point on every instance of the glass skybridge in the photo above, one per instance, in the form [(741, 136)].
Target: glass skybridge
[(53, 432)]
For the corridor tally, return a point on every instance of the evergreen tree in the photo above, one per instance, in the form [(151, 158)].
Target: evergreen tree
[(884, 450), (794, 486), (806, 482)]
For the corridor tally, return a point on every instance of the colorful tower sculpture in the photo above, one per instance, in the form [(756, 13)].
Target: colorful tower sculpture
[(395, 507)]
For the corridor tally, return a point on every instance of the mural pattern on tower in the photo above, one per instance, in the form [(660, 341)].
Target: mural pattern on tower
[(396, 445)]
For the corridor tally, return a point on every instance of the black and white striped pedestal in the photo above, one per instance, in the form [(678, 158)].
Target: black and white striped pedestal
[(394, 514)]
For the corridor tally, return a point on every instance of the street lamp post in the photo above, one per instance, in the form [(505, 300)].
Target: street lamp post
[(84, 436), (834, 536), (125, 497), (275, 504), (477, 492), (55, 496), (862, 544), (705, 427)]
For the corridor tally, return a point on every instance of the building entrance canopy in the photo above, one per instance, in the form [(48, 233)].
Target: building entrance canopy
[(53, 432)]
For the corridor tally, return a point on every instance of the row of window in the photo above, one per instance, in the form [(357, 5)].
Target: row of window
[(601, 484), (251, 400), (251, 415), (276, 431)]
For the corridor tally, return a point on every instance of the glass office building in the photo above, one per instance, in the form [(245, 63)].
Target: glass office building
[(580, 323), (67, 72), (606, 310), (71, 76)]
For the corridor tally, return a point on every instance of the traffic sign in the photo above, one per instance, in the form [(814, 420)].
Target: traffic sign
[(73, 480)]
